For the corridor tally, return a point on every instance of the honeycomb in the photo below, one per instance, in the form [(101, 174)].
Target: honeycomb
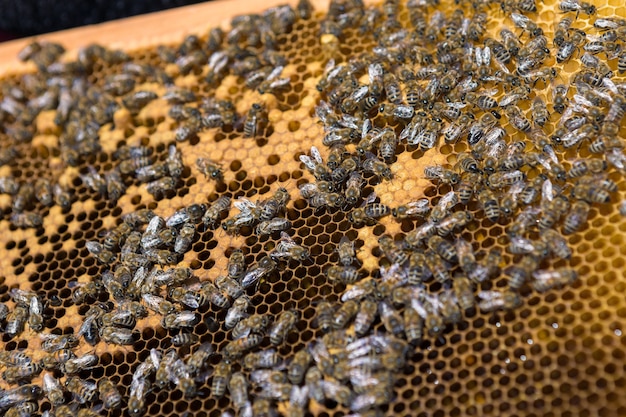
[(550, 351)]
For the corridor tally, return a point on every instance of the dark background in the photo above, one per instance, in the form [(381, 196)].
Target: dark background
[(20, 18)]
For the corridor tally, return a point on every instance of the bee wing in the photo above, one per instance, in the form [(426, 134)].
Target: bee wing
[(315, 153), (329, 66), (489, 92), (172, 151), (349, 121), (559, 89), (286, 239), (417, 305), (520, 20), (547, 191), (489, 295), (375, 72), (610, 85), (308, 162), (366, 127), (544, 275), (359, 94), (421, 206), (355, 180), (345, 240), (369, 199), (275, 73), (244, 205)]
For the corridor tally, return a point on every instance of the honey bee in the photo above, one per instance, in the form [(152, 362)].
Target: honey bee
[(15, 357), (257, 271), (52, 342), (545, 280), (158, 304), (268, 227), (421, 233), (443, 207), (313, 380), (450, 311), (315, 164), (443, 248), (496, 300), (253, 121), (342, 274), (453, 222), (489, 204), (559, 98), (210, 169), (199, 360), (137, 100), (117, 335), (557, 243), (569, 46), (577, 6), (377, 167), (20, 394), (83, 391), (539, 112), (441, 174), (437, 266), (214, 212), (390, 317), (138, 218), (179, 320), (26, 408), (591, 193), (8, 185), (345, 251), (238, 388), (185, 238), (187, 130), (517, 119), (163, 365), (255, 324), (21, 373), (392, 251), (161, 187), (465, 187), (230, 287), (324, 312), (237, 312), (139, 389), (520, 273), (184, 339), (288, 249), (43, 191), (369, 211), (453, 131), (263, 359), (284, 324), (413, 209), (94, 181), (161, 256), (576, 217), (298, 366), (221, 378), (354, 186), (53, 390), (109, 394), (75, 365), (26, 219), (35, 318), (346, 312)]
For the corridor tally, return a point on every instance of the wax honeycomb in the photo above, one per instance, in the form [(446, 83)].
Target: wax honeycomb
[(559, 353)]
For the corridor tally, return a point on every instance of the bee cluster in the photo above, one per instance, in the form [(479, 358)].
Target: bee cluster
[(293, 319)]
